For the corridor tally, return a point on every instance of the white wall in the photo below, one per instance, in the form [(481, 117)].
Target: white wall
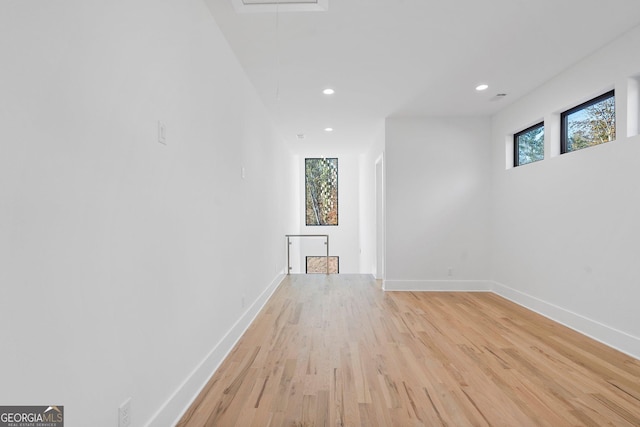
[(437, 203), (353, 240), (566, 229), (559, 236), (124, 261), (367, 202), (344, 240)]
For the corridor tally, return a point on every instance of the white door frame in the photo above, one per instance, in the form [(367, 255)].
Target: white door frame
[(380, 217)]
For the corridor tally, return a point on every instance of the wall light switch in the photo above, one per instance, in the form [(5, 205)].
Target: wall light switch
[(124, 414), (162, 132)]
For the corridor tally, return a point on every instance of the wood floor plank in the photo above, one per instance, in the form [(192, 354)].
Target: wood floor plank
[(338, 351)]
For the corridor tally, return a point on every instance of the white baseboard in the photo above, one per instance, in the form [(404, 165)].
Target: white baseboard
[(607, 335), (172, 410), (438, 285)]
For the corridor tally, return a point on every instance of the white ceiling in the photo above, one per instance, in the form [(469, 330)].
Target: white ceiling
[(409, 58)]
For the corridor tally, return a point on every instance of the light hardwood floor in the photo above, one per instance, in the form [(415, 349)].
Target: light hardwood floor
[(337, 351)]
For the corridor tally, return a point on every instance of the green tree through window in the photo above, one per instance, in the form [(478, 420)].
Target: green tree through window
[(321, 191), (529, 145), (589, 124)]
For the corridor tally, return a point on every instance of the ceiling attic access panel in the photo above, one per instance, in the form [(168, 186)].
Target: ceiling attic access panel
[(272, 6)]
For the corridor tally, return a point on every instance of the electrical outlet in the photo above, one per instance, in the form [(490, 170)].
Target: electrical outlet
[(450, 271), (124, 414), (243, 298)]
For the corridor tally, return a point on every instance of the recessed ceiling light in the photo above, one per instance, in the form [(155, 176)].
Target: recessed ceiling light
[(482, 87), (328, 91), (328, 129)]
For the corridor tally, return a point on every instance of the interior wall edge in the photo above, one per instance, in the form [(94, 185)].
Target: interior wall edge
[(174, 408)]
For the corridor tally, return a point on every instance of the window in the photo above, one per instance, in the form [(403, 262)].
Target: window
[(321, 191), (528, 145), (318, 264), (589, 124), (633, 106)]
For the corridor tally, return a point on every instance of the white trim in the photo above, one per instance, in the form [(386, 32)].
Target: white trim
[(275, 7), (607, 335), (438, 285), (380, 213), (173, 409)]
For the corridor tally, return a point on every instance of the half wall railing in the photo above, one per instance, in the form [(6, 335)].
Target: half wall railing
[(290, 236)]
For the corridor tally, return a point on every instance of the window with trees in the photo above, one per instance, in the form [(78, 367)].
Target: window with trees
[(321, 191), (529, 145), (588, 124)]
